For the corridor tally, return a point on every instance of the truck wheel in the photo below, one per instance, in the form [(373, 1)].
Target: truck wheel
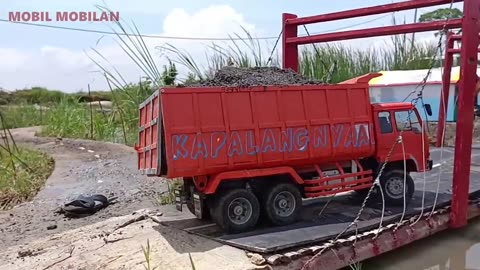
[(236, 210), (281, 203), (392, 187)]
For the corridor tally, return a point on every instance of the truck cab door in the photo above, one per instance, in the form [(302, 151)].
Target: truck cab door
[(415, 145), (386, 134)]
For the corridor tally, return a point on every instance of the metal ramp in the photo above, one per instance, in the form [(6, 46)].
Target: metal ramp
[(320, 224)]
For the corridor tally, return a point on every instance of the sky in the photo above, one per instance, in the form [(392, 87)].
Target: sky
[(62, 59)]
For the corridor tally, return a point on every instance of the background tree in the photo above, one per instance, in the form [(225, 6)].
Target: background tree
[(441, 14)]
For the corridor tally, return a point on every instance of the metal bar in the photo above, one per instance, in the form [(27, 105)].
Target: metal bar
[(463, 138), (339, 177), (365, 180), (375, 32), (445, 90), (373, 10), (455, 51), (326, 193), (386, 241), (289, 51)]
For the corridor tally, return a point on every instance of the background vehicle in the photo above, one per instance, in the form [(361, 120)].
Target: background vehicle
[(243, 152)]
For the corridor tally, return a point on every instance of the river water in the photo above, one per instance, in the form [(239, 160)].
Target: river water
[(449, 250)]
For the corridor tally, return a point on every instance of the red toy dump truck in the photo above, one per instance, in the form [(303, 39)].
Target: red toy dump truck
[(249, 151)]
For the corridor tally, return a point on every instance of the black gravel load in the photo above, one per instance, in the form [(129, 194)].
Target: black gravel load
[(256, 76)]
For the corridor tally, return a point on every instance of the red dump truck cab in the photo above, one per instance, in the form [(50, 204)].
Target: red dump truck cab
[(243, 151)]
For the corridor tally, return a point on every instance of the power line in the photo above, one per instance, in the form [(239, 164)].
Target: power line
[(178, 37), (123, 34)]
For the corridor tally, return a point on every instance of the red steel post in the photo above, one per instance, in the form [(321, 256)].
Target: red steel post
[(463, 140), (447, 72), (289, 50), (368, 11)]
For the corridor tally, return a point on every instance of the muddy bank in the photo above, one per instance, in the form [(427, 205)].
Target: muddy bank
[(450, 131), (81, 167), (257, 76)]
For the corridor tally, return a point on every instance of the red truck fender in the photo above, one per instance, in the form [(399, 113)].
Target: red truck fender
[(215, 181)]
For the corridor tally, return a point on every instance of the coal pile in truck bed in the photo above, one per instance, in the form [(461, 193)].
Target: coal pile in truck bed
[(257, 76)]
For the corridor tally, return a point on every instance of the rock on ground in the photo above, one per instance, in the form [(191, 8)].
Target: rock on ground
[(257, 76)]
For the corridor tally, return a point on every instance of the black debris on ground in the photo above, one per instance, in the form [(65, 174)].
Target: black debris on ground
[(256, 76)]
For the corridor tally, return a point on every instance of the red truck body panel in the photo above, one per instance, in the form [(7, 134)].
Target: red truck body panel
[(212, 130)]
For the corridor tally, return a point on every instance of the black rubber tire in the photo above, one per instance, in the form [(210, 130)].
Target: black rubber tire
[(220, 210), (396, 198), (268, 203)]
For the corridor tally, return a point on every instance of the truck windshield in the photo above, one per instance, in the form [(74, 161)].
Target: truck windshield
[(403, 123)]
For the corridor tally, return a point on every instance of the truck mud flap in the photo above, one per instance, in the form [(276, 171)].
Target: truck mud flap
[(198, 205), (430, 165), (179, 199)]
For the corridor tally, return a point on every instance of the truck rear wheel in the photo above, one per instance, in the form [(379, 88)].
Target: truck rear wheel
[(236, 210), (281, 203), (392, 183)]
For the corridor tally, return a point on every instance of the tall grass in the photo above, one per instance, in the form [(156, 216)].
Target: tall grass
[(350, 62), (23, 115), (71, 119), (22, 171)]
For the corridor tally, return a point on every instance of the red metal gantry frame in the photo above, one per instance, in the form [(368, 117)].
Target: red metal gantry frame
[(449, 52), (470, 42)]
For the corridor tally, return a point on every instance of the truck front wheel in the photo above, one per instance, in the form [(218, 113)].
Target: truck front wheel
[(392, 184), (282, 202), (236, 210)]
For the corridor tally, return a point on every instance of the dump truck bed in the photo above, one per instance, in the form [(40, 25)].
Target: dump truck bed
[(208, 130)]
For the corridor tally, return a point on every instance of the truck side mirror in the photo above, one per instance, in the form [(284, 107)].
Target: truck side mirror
[(428, 108)]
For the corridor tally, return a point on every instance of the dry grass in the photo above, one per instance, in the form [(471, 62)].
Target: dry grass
[(168, 197)]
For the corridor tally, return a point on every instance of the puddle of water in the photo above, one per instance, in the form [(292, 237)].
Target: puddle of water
[(450, 250)]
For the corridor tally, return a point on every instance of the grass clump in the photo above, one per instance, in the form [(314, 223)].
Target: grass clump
[(168, 197), (22, 171), (23, 115)]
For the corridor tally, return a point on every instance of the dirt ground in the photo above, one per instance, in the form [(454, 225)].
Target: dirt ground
[(84, 167), (81, 167), (103, 246), (450, 131)]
